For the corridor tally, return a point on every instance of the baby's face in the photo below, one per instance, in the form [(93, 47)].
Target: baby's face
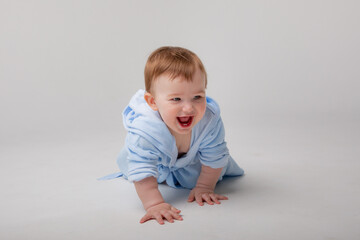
[(181, 103)]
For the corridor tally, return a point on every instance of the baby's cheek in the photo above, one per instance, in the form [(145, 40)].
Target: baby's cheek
[(202, 110)]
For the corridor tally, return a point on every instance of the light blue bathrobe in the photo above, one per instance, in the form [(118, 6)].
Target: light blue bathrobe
[(150, 149)]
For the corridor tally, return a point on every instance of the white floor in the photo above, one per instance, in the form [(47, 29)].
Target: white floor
[(302, 182)]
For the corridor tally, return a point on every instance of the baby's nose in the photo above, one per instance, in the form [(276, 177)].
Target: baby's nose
[(188, 108)]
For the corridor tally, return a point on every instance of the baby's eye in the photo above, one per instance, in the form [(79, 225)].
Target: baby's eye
[(176, 99), (197, 97)]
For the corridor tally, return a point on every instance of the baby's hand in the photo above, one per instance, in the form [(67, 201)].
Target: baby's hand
[(161, 211), (205, 194)]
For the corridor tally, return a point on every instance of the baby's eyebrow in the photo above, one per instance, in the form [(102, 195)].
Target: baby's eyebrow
[(173, 94), (200, 92)]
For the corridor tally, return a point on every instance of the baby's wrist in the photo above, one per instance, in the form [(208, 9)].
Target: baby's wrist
[(150, 205), (205, 186)]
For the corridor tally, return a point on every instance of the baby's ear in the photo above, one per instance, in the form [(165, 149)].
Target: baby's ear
[(150, 101)]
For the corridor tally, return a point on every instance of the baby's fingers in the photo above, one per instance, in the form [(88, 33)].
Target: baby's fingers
[(207, 198), (176, 216), (159, 218), (214, 198), (168, 216), (171, 215), (199, 199), (221, 197), (191, 197), (145, 218), (175, 209)]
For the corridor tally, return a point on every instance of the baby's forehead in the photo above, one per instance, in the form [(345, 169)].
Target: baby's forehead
[(167, 80), (183, 76), (172, 79), (176, 76)]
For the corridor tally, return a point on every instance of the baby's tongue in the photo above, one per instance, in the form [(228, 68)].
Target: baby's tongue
[(184, 119)]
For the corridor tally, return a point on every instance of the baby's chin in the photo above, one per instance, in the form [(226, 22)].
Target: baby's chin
[(180, 130)]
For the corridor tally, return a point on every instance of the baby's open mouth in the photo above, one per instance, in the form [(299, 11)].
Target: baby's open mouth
[(185, 121)]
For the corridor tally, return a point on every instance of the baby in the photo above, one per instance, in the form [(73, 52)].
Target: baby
[(175, 135)]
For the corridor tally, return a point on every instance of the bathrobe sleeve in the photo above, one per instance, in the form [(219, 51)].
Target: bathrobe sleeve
[(213, 151), (142, 158)]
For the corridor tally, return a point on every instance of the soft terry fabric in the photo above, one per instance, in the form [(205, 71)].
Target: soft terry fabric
[(150, 149)]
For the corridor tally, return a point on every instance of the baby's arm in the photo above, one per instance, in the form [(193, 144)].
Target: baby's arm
[(153, 202), (204, 189)]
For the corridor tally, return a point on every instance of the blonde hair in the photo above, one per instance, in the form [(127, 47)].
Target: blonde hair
[(175, 61)]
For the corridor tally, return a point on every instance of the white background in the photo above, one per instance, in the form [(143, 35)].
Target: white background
[(285, 73)]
